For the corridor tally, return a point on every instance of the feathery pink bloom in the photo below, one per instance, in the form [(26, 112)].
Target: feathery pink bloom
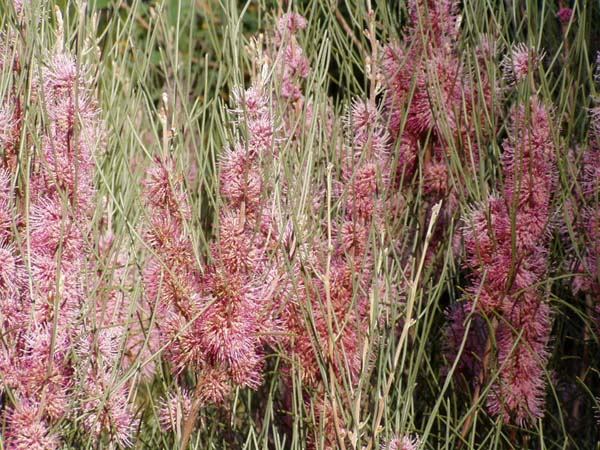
[(584, 217), (239, 181), (291, 66), (27, 431), (402, 443), (336, 296), (108, 410), (291, 22), (435, 104), (422, 77)]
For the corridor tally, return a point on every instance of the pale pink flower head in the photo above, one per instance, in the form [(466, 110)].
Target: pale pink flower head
[(27, 431), (109, 411), (216, 385), (7, 215), (292, 64), (518, 396), (368, 133), (436, 178), (261, 133), (165, 190), (12, 270), (250, 103), (239, 179), (296, 62), (362, 190), (354, 237), (52, 225), (18, 5), (5, 184), (62, 75), (363, 115), (291, 23), (402, 443), (238, 250), (520, 63)]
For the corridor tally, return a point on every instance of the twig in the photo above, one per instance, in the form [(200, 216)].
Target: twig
[(188, 426), (480, 380), (347, 29), (145, 25)]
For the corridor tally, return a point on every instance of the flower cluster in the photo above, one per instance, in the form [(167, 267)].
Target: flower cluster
[(11, 109), (337, 293), (427, 78), (292, 66), (216, 318), (324, 290), (582, 220), (506, 241), (59, 356), (330, 312), (436, 105)]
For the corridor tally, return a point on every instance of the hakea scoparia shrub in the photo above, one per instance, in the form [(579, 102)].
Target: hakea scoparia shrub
[(506, 239), (436, 106), (331, 286), (582, 225), (589, 267), (63, 324), (291, 64), (255, 290), (218, 317), (519, 63), (331, 316)]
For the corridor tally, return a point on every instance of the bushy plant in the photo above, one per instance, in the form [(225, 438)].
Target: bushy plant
[(347, 225)]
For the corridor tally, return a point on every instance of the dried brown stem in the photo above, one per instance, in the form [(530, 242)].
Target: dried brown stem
[(190, 421), (478, 387), (347, 29)]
